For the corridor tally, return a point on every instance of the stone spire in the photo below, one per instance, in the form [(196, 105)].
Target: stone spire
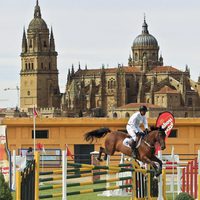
[(37, 12), (68, 75), (79, 66), (24, 42), (161, 60), (130, 61), (52, 42), (72, 71)]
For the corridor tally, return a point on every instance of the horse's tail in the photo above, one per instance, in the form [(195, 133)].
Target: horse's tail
[(98, 133)]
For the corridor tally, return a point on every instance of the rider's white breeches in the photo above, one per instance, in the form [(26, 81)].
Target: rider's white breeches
[(131, 132)]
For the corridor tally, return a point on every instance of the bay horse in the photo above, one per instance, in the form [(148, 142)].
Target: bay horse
[(145, 151)]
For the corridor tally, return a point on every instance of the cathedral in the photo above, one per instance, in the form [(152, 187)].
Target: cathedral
[(103, 92)]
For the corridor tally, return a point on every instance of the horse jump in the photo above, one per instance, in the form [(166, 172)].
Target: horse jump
[(111, 169)]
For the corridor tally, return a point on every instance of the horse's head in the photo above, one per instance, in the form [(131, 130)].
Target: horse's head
[(158, 134), (161, 137)]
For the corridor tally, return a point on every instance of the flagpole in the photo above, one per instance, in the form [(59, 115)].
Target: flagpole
[(34, 132)]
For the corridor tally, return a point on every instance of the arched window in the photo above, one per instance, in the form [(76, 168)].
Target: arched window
[(111, 83), (32, 66), (136, 56), (115, 115), (49, 66), (42, 65), (26, 66), (127, 115), (45, 44)]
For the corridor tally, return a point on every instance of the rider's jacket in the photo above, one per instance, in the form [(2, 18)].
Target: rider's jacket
[(135, 120)]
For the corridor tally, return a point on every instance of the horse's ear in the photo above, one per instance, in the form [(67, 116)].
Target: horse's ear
[(160, 128), (153, 128)]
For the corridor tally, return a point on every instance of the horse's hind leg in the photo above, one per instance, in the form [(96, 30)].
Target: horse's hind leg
[(101, 150)]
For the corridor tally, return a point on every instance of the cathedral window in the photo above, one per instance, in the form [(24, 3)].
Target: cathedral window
[(111, 83), (30, 43), (45, 44), (190, 102), (127, 84), (144, 54), (136, 56)]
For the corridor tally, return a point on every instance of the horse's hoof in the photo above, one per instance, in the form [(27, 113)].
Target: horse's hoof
[(155, 177)]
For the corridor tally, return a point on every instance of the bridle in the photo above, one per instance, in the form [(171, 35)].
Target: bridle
[(160, 132), (147, 143)]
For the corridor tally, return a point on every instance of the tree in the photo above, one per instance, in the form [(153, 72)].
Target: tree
[(184, 196), (5, 193)]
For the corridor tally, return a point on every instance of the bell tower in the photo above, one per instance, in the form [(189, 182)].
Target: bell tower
[(39, 73)]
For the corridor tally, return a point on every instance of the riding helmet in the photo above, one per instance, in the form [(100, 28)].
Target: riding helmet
[(143, 108)]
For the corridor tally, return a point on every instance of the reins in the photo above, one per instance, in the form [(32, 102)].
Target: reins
[(147, 143)]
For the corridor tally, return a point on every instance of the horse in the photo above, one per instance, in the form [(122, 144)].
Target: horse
[(145, 148)]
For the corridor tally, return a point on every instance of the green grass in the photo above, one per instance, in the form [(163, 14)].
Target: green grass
[(89, 196)]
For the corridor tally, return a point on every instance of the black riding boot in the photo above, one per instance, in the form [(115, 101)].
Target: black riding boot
[(133, 147)]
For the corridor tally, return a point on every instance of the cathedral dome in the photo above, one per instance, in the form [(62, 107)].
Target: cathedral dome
[(37, 23), (145, 39)]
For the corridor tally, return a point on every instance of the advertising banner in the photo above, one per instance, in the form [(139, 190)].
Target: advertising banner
[(4, 159)]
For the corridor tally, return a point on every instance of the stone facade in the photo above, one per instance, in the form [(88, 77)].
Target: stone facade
[(104, 91), (145, 81)]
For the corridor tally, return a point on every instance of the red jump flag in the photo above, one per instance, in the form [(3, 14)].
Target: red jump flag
[(35, 113), (69, 153), (41, 147)]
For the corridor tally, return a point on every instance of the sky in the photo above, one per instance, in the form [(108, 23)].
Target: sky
[(96, 32)]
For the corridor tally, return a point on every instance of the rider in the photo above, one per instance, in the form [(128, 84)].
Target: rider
[(133, 127)]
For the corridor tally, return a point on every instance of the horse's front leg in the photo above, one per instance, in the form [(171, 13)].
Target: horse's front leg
[(155, 159), (152, 163)]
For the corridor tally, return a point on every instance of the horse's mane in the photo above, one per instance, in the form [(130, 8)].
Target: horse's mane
[(154, 128)]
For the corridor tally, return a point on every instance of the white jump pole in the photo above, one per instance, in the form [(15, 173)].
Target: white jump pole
[(13, 174), (172, 154), (160, 191), (64, 175), (198, 174)]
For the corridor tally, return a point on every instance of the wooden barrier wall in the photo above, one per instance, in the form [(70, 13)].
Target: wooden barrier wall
[(70, 131)]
